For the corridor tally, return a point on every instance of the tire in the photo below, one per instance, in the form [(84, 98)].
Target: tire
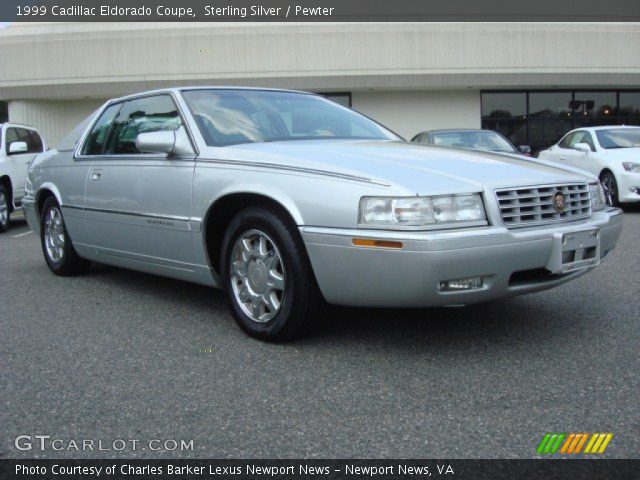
[(264, 262), (610, 185), (62, 259), (5, 210)]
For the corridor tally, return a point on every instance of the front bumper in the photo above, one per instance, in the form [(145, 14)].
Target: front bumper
[(629, 187), (409, 277), (31, 214)]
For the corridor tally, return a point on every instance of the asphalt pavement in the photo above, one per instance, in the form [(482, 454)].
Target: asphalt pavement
[(115, 354)]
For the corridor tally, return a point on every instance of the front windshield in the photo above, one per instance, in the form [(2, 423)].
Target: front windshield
[(475, 140), (230, 117), (619, 138)]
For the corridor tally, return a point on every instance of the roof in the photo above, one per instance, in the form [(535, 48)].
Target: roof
[(604, 127), (453, 130), (203, 87), (14, 124)]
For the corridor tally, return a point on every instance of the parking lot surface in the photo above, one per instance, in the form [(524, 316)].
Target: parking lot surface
[(115, 354)]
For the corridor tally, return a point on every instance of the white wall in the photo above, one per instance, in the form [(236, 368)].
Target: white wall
[(98, 60), (410, 112), (54, 120)]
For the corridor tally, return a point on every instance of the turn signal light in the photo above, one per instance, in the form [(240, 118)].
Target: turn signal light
[(366, 242)]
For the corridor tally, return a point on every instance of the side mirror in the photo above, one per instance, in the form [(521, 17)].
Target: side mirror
[(156, 142), (169, 142), (17, 147), (582, 147), (525, 150)]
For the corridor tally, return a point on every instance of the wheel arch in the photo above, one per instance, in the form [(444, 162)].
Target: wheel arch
[(228, 204), (45, 191), (606, 170)]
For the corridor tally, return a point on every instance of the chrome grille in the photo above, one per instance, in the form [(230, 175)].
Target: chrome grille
[(525, 206)]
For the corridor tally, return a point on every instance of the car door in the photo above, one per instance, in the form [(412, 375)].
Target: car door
[(585, 161), (572, 157), (562, 151), (138, 204)]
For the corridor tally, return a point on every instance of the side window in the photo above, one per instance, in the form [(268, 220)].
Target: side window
[(96, 139), (31, 138), (586, 138), (148, 114), (10, 136), (566, 142), (35, 142)]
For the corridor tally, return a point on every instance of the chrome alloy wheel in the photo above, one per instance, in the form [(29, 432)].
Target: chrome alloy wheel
[(4, 209), (257, 275), (54, 235)]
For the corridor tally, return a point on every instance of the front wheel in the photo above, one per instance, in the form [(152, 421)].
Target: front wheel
[(268, 277), (610, 187), (57, 248), (5, 211)]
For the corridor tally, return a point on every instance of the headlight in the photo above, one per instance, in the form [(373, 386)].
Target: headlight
[(598, 197), (631, 167), (415, 212)]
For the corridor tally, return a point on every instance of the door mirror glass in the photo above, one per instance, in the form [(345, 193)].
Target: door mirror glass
[(156, 142), (17, 147), (582, 147)]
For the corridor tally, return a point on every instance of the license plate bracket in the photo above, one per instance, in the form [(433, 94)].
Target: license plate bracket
[(574, 251)]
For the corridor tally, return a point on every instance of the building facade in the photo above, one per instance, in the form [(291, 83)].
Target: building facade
[(531, 81)]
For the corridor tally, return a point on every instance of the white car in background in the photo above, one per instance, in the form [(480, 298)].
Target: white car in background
[(19, 144), (612, 153)]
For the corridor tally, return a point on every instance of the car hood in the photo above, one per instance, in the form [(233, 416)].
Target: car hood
[(423, 169)]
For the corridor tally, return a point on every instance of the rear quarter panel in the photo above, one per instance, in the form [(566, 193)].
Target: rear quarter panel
[(59, 173)]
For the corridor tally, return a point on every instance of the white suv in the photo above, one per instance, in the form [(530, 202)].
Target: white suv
[(19, 144)]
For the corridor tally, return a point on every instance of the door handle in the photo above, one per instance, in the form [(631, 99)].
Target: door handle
[(96, 175), (563, 158)]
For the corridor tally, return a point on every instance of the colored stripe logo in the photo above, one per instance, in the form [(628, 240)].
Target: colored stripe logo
[(573, 443)]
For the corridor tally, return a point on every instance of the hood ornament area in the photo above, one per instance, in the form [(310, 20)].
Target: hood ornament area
[(559, 202)]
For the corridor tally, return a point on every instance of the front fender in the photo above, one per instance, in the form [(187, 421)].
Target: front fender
[(273, 193)]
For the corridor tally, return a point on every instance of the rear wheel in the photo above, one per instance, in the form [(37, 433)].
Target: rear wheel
[(268, 277), (610, 186), (61, 257), (5, 214)]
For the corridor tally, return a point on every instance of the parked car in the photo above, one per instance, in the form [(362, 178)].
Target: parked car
[(611, 153), (19, 144), (472, 139), (285, 199)]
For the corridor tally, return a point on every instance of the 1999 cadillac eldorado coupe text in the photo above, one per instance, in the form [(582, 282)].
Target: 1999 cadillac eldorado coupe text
[(286, 200)]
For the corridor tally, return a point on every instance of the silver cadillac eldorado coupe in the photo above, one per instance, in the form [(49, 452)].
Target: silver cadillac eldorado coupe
[(286, 200)]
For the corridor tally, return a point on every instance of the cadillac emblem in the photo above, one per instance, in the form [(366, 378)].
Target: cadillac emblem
[(559, 202)]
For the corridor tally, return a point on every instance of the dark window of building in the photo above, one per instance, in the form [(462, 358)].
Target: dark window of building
[(594, 108), (506, 113), (4, 112), (629, 108), (549, 117), (541, 118)]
